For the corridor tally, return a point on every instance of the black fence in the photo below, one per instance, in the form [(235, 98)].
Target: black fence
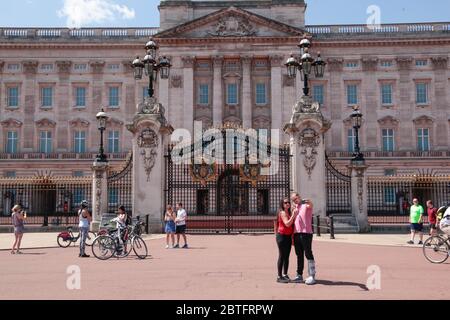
[(46, 200), (120, 187), (339, 190), (389, 198)]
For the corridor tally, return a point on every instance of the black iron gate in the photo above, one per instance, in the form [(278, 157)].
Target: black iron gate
[(228, 197), (119, 187), (339, 190)]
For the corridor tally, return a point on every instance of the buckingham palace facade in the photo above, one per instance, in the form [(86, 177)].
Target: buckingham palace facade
[(228, 67)]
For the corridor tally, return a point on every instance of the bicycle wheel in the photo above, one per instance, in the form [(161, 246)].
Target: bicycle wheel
[(139, 247), (104, 247), (90, 238), (436, 249), (63, 243)]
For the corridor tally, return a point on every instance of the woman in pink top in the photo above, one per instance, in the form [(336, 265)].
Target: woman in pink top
[(303, 236)]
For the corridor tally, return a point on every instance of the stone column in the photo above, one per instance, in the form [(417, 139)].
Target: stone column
[(276, 91), (63, 103), (440, 130), (97, 91), (246, 92), (406, 104), (217, 91), (149, 127), (359, 195), (188, 92), (369, 95), (306, 131), (335, 67), (99, 193), (31, 92)]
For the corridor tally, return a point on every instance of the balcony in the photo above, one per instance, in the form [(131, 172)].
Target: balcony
[(60, 156), (394, 154)]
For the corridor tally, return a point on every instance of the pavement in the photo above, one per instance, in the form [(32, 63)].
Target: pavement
[(221, 267), (48, 240)]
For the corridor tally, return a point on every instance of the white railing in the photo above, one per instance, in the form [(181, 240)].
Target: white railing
[(384, 28), (82, 33), (15, 32), (49, 33), (115, 33)]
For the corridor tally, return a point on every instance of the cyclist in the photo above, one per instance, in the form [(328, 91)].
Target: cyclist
[(85, 220), (122, 220)]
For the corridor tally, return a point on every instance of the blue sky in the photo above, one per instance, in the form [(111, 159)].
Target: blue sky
[(144, 13)]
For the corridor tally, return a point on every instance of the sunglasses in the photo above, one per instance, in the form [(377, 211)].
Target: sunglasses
[(287, 203)]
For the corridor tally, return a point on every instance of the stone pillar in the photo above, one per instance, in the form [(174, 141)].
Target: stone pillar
[(188, 92), (246, 92), (99, 193), (369, 96), (149, 127), (359, 195), (440, 130), (217, 92), (337, 107), (63, 102), (406, 104), (32, 95), (276, 91), (306, 131)]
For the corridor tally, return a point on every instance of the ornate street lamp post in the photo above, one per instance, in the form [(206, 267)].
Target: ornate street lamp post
[(151, 65), (102, 117), (306, 65), (356, 116)]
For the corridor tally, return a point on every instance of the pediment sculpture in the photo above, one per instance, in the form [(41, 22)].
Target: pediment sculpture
[(232, 26)]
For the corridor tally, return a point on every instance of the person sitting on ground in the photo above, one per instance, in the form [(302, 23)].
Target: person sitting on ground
[(416, 212)]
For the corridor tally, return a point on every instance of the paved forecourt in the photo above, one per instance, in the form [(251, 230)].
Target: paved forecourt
[(224, 267)]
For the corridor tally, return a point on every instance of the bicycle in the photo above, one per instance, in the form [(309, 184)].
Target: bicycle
[(106, 246), (65, 238), (436, 249)]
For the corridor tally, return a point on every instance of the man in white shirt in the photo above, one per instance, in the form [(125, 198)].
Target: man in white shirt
[(180, 223)]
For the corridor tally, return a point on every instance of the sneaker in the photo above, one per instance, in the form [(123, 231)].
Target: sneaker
[(185, 246), (285, 276), (176, 246), (85, 256), (19, 252), (310, 281), (420, 243), (167, 247), (410, 242), (282, 280), (298, 279), (13, 252), (428, 244)]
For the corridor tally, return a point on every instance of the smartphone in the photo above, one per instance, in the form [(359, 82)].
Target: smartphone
[(304, 201)]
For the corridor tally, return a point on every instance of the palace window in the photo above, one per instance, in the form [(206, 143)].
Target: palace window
[(47, 97), (261, 94), (351, 139), (352, 94), (421, 93), (13, 67), (203, 95), (46, 67), (113, 67), (113, 197), (80, 97), (145, 93), (114, 96), (423, 139), (386, 94), (352, 64), (78, 174), (78, 196), (386, 63), (113, 141), (45, 142), (232, 94), (12, 97), (10, 174), (421, 62), (389, 172), (318, 94), (12, 139), (80, 67), (79, 145), (389, 195), (388, 140)]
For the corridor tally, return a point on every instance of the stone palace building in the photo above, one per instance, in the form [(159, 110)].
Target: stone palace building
[(228, 67)]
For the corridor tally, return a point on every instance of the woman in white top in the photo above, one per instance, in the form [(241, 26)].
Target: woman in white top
[(85, 220)]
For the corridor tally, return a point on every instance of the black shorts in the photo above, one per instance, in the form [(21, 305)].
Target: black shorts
[(181, 229), (433, 226), (418, 227)]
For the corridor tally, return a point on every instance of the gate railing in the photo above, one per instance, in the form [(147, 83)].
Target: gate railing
[(391, 196), (339, 190), (47, 200), (120, 186)]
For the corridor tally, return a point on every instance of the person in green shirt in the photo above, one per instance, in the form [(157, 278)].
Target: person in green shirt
[(415, 217)]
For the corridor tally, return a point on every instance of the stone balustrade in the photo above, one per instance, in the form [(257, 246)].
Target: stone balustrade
[(393, 154), (60, 156), (383, 28)]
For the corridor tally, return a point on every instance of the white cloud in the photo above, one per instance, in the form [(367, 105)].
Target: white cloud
[(85, 12)]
